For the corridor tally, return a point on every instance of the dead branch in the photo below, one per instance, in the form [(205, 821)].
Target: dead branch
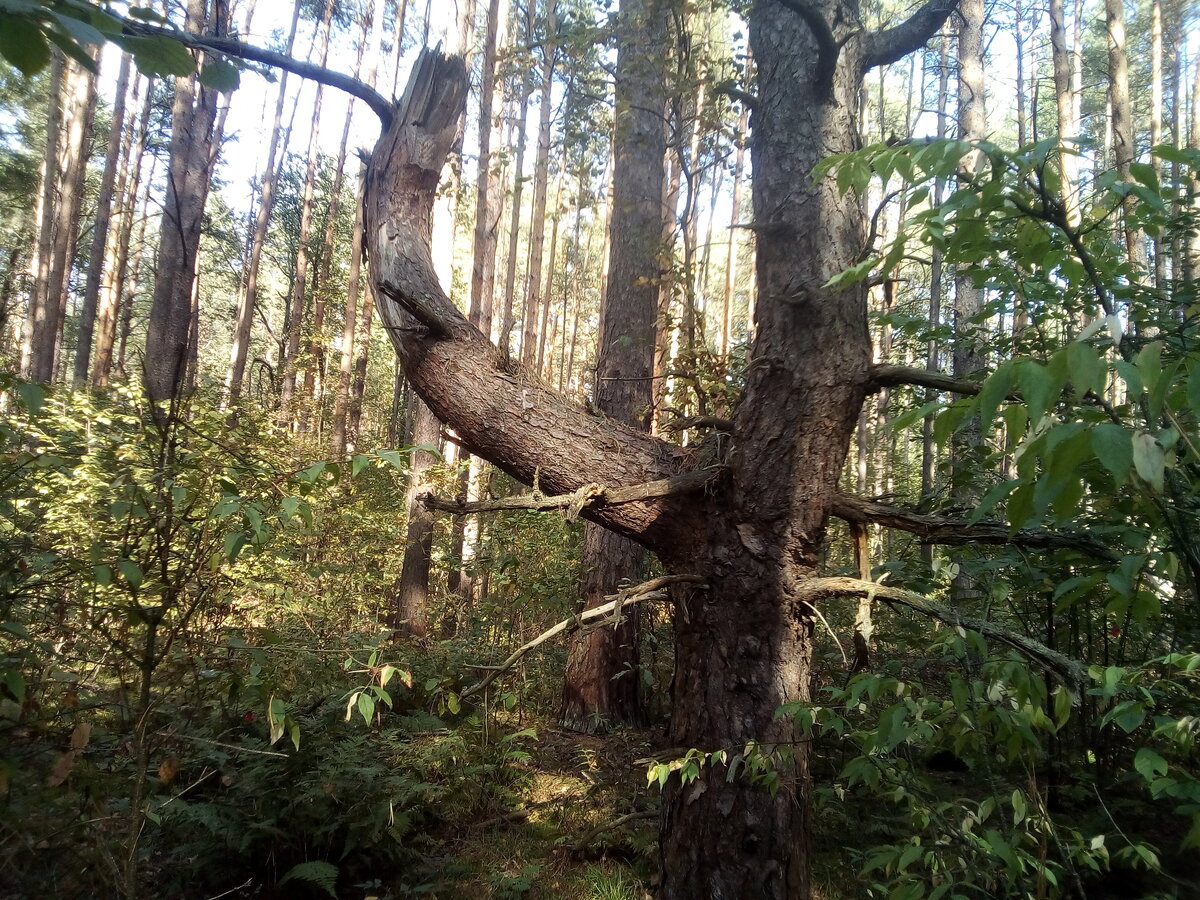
[(1072, 673), (943, 530), (887, 375), (587, 495), (654, 589)]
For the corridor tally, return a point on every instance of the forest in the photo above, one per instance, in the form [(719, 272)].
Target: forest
[(569, 449)]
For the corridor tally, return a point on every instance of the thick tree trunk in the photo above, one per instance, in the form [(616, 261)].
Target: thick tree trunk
[(602, 666), (36, 363)]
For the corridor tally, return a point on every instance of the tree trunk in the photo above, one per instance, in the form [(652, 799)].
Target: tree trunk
[(193, 117), (104, 205), (36, 363), (514, 230), (412, 591), (487, 180), (541, 178), (248, 299), (1124, 148), (117, 252), (1068, 128), (602, 677)]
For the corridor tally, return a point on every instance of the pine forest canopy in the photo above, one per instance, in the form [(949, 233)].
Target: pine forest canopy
[(759, 287)]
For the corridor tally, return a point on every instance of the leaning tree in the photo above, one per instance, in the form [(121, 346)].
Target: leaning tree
[(747, 525), (742, 529)]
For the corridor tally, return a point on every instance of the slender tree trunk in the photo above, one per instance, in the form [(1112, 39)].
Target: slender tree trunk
[(541, 177), (120, 234), (1068, 127), (1156, 124), (36, 363), (248, 298), (510, 274), (104, 205), (731, 252), (603, 673), (487, 180), (193, 118), (412, 590), (1124, 149)]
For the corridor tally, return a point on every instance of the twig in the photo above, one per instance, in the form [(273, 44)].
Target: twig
[(188, 737)]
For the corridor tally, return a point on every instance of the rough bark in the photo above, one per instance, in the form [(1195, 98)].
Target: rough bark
[(602, 666), (1068, 128), (34, 364)]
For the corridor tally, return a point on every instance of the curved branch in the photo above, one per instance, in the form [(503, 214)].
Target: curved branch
[(828, 48), (892, 44), (232, 47), (1070, 672), (942, 530), (502, 412)]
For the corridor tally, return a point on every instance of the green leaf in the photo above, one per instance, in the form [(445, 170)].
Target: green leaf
[(158, 56), (1019, 808), (322, 874), (221, 76), (1113, 446), (358, 463), (24, 45), (452, 704), (234, 542), (366, 706), (32, 395), (103, 575), (1149, 460), (131, 571), (1149, 764)]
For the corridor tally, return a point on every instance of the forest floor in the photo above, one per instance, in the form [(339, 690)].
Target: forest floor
[(587, 829)]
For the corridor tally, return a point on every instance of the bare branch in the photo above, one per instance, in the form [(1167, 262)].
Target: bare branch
[(887, 375), (828, 48), (232, 47), (1070, 672), (892, 44), (589, 494), (943, 530), (654, 589)]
